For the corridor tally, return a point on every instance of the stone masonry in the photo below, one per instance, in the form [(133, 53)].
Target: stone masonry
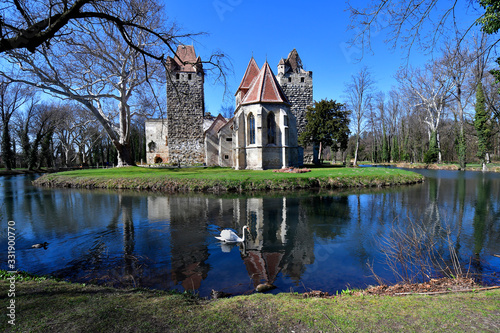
[(297, 85), (185, 108)]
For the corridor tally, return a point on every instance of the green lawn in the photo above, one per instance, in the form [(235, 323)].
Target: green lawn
[(50, 306), (226, 179)]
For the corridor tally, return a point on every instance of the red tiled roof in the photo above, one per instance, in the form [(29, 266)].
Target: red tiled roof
[(265, 89), (186, 54), (250, 74)]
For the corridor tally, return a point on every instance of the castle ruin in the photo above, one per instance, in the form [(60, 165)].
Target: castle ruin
[(263, 134)]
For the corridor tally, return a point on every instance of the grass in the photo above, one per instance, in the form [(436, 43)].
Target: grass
[(492, 167), (52, 306), (226, 179)]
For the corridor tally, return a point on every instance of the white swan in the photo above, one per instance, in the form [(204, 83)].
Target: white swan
[(229, 236)]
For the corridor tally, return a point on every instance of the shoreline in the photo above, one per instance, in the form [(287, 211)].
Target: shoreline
[(218, 180), (41, 305)]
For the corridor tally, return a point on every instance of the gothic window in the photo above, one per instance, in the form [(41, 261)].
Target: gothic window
[(177, 76), (271, 129), (251, 129)]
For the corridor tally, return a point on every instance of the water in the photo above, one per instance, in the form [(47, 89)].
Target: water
[(300, 241)]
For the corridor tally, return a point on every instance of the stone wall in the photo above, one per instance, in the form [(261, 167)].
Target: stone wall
[(156, 136), (298, 87), (185, 110)]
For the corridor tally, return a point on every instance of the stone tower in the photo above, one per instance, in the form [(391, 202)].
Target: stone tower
[(297, 85), (185, 107)]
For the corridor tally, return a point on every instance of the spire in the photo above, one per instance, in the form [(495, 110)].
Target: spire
[(265, 89), (250, 74)]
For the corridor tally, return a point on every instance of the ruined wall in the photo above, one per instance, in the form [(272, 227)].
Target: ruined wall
[(156, 136), (185, 110)]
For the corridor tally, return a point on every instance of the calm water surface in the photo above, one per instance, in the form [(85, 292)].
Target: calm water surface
[(299, 241)]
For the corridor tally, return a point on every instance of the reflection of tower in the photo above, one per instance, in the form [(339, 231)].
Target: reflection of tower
[(128, 233), (188, 240), (279, 242)]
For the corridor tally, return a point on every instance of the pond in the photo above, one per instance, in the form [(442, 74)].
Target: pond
[(299, 241)]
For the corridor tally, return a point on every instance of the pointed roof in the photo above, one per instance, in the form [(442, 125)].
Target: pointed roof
[(250, 74), (186, 54), (265, 89)]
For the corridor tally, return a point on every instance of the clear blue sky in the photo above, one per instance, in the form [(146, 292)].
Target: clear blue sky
[(271, 29)]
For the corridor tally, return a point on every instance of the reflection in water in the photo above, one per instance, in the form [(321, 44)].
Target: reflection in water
[(312, 240)]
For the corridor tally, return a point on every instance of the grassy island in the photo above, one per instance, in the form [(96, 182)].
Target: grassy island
[(215, 179)]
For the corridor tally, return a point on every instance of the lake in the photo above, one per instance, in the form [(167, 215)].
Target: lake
[(299, 241)]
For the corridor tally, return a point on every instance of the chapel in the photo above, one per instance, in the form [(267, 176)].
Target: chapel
[(262, 134)]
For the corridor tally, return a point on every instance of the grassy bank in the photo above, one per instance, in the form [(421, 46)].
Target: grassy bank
[(225, 179), (51, 306), (493, 167)]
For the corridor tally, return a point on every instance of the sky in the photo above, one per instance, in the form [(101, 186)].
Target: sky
[(269, 30)]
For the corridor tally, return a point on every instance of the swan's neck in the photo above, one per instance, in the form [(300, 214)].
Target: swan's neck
[(243, 230)]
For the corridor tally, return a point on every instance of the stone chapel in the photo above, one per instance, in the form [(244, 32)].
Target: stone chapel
[(263, 134)]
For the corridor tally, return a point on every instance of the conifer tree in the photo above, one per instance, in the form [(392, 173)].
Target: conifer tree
[(327, 125), (481, 124)]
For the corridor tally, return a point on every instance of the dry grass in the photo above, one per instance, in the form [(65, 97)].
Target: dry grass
[(50, 306)]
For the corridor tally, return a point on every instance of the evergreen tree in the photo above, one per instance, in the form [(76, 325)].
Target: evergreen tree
[(432, 155), (327, 125), (395, 150), (385, 149), (481, 124), (490, 22)]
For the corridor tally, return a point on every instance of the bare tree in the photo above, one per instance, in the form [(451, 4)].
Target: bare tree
[(102, 62), (457, 63), (30, 24), (359, 94), (13, 96), (96, 69), (408, 23), (431, 89)]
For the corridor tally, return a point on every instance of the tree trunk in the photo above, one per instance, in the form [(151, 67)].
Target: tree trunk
[(320, 153), (438, 140), (125, 157), (356, 151), (7, 154)]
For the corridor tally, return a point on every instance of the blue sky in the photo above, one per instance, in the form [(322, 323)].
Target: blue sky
[(271, 29)]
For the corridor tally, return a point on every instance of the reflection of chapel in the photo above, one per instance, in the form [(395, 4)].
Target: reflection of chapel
[(261, 135)]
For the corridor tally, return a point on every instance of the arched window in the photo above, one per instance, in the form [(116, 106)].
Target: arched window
[(271, 129), (251, 129)]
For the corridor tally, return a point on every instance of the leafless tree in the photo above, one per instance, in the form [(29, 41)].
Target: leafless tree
[(13, 96), (408, 23), (100, 61), (30, 24), (457, 63), (431, 90), (359, 94), (94, 67)]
